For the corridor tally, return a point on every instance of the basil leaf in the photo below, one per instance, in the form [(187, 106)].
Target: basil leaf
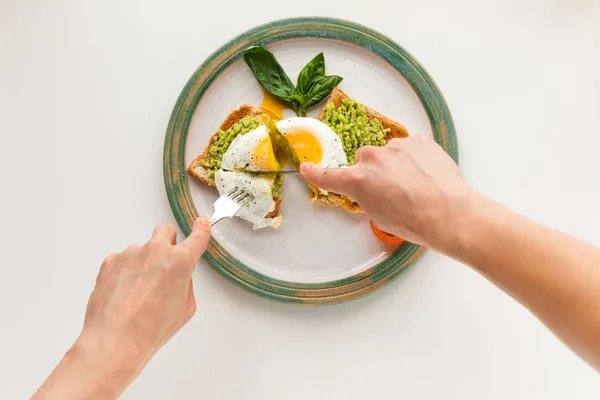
[(313, 85), (269, 73), (295, 101), (296, 97), (321, 89), (313, 71)]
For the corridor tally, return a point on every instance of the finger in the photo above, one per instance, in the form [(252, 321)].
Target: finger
[(165, 232), (198, 240), (108, 267), (366, 153), (419, 136), (339, 181)]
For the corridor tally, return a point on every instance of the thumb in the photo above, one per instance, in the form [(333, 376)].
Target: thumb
[(340, 181), (197, 241)]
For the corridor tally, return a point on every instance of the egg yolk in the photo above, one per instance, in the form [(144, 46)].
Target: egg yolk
[(264, 157), (272, 106), (306, 145)]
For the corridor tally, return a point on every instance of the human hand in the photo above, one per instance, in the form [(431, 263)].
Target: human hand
[(143, 296), (410, 188)]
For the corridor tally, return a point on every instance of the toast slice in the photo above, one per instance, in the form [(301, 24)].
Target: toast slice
[(396, 130), (197, 168)]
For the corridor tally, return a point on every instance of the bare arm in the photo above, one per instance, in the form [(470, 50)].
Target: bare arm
[(555, 276), (142, 297)]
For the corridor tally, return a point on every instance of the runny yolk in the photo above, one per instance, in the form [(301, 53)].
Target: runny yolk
[(264, 157), (306, 146), (272, 106)]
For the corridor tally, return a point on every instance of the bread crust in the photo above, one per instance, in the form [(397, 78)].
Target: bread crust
[(197, 170)]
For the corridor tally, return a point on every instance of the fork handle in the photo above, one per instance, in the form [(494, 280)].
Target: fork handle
[(217, 216), (214, 219)]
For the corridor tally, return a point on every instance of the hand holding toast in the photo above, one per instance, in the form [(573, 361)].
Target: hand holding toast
[(409, 187), (413, 189)]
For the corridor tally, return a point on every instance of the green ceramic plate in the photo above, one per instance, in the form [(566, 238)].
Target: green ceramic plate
[(319, 255)]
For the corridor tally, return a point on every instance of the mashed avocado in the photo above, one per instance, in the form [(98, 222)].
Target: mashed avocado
[(220, 146), (276, 185), (352, 125)]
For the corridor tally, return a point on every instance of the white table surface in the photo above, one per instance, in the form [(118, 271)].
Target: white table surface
[(86, 91)]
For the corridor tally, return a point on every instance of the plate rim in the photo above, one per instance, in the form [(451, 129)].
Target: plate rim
[(175, 170)]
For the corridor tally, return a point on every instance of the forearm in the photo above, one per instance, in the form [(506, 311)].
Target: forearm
[(556, 276), (83, 375)]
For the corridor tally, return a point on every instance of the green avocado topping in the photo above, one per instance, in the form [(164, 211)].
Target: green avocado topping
[(352, 125), (220, 146), (276, 185)]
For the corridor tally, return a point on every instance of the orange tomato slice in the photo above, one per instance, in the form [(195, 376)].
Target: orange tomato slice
[(386, 237)]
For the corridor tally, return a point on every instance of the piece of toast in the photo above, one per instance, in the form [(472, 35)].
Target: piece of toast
[(397, 130), (201, 173)]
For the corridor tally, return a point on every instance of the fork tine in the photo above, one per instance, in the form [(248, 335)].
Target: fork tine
[(243, 196), (238, 195), (244, 201), (235, 191)]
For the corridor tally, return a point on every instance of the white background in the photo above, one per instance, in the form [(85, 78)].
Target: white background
[(86, 90)]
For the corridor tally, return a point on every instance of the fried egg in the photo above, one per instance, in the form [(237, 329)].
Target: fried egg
[(313, 141), (259, 187), (250, 152)]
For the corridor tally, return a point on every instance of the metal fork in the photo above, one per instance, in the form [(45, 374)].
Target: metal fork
[(230, 204)]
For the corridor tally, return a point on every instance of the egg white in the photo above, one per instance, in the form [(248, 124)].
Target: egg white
[(240, 154), (257, 186)]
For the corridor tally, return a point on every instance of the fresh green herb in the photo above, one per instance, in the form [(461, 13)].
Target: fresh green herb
[(312, 86), (321, 89), (312, 72), (269, 73)]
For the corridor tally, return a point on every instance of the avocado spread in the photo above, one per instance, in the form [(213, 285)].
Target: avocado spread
[(352, 125), (276, 185), (224, 138)]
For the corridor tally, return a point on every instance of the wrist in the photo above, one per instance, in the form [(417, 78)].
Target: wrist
[(88, 371), (109, 370), (81, 375), (101, 376), (457, 229), (469, 224)]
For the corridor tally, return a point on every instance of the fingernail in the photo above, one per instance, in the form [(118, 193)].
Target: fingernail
[(202, 220), (305, 167)]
